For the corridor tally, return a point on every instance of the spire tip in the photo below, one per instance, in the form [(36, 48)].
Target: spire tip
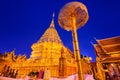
[(53, 15), (52, 22)]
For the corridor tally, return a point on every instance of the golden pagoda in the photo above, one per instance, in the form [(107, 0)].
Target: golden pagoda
[(47, 53), (107, 58)]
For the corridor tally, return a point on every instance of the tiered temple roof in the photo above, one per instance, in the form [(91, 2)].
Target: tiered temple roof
[(109, 41), (108, 48)]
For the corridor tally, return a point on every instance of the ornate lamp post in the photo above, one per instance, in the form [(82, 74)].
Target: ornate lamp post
[(71, 17)]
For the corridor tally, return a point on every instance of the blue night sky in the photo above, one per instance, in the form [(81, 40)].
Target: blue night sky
[(22, 23)]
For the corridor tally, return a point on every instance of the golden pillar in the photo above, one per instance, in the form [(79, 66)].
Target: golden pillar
[(76, 48)]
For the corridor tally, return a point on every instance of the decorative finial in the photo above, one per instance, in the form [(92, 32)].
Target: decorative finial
[(92, 43), (53, 15), (52, 22), (13, 50), (95, 38)]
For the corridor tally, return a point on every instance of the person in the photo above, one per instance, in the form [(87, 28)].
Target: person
[(41, 74), (47, 74)]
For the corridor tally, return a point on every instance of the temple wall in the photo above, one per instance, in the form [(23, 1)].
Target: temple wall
[(23, 71), (86, 67)]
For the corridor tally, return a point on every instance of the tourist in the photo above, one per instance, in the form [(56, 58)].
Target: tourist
[(47, 74), (41, 74)]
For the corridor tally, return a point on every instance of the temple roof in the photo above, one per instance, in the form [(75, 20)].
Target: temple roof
[(108, 46), (99, 51), (50, 34), (109, 41), (115, 48), (111, 59)]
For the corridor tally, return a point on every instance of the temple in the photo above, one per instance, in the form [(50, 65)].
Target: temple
[(48, 52), (107, 65)]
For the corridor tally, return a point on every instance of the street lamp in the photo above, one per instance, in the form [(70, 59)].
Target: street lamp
[(71, 17)]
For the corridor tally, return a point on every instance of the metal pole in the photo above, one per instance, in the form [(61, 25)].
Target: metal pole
[(76, 48)]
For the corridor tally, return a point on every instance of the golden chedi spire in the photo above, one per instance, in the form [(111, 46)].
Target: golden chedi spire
[(50, 34), (47, 50), (47, 45)]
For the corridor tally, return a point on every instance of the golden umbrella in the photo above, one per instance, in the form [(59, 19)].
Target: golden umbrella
[(71, 17)]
